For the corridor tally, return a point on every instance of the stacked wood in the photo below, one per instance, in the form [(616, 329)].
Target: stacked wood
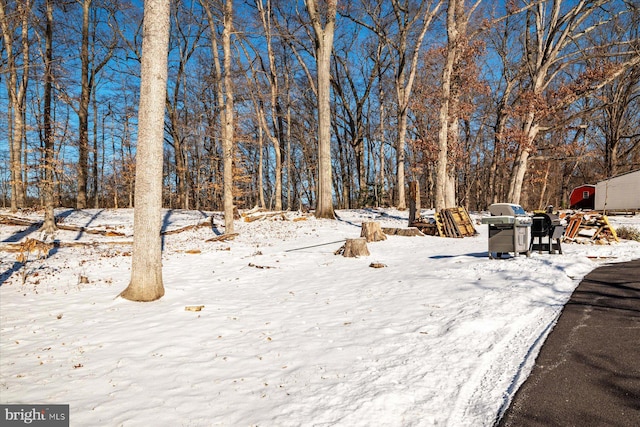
[(372, 232), (424, 226), (593, 228)]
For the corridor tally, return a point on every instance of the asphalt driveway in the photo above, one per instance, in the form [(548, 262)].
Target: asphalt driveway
[(588, 369)]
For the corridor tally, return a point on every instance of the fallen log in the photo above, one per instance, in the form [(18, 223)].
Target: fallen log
[(14, 220), (412, 231), (205, 223), (222, 237), (18, 246), (263, 215)]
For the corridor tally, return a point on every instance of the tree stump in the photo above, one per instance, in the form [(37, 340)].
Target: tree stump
[(414, 202), (354, 248), (372, 232)]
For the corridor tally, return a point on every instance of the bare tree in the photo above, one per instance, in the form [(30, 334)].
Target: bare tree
[(16, 83), (224, 83), (509, 77), (621, 138), (89, 68), (553, 39), (457, 21), (276, 137), (49, 224), (228, 125), (186, 37), (353, 82), (146, 264), (323, 23), (404, 33)]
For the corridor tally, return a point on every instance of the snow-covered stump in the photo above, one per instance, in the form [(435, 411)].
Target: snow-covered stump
[(372, 232), (354, 248)]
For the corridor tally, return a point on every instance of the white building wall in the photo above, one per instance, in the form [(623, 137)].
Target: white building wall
[(621, 192)]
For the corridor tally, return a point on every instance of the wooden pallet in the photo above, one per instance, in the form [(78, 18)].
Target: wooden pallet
[(574, 226), (454, 222), (463, 220), (451, 228)]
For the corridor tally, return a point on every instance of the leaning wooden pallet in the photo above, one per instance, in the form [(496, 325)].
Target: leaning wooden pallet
[(573, 227), (463, 221)]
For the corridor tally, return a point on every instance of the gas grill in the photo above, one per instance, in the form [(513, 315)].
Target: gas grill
[(546, 233), (509, 230)]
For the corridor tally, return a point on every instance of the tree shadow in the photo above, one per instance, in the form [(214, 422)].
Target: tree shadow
[(4, 276), (91, 220), (15, 238), (33, 228), (166, 221), (473, 255)]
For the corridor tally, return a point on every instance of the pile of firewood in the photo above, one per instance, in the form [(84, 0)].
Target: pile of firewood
[(589, 228)]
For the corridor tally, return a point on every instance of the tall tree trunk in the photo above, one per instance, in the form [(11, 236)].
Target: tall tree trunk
[(442, 174), (381, 137), (16, 93), (276, 121), (225, 100), (324, 47), (95, 187), (146, 264), (228, 125), (401, 155), (83, 110), (49, 224), (290, 180), (260, 167), (522, 161)]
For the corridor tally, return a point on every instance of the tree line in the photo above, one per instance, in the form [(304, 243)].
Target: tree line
[(322, 104)]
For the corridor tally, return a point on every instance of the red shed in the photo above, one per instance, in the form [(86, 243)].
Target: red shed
[(583, 197)]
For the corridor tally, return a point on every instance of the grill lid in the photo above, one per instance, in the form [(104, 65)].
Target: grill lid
[(498, 209), (499, 219)]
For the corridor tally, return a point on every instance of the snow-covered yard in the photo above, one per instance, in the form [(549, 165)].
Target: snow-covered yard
[(290, 333)]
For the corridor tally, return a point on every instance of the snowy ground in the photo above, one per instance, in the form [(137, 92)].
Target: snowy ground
[(290, 334)]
